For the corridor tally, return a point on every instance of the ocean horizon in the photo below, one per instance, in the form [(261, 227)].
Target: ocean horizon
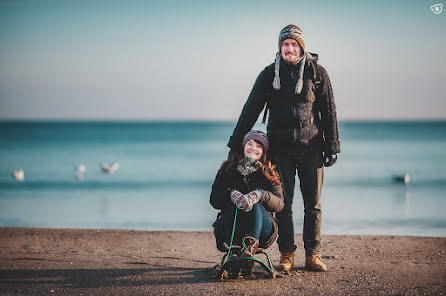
[(166, 169)]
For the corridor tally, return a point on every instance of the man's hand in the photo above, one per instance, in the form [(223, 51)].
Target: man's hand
[(330, 159)]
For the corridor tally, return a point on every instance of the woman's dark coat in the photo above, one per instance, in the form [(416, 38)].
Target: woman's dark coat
[(271, 199)]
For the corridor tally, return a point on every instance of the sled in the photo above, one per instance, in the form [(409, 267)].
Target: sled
[(226, 264)]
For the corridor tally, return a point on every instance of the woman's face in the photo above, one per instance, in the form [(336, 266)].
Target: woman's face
[(253, 149)]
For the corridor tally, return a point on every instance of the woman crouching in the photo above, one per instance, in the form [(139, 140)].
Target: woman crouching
[(250, 183)]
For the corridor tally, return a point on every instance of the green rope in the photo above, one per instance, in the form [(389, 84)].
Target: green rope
[(233, 231), (244, 245), (243, 242), (232, 235)]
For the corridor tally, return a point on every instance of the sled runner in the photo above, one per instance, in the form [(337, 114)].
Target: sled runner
[(226, 264)]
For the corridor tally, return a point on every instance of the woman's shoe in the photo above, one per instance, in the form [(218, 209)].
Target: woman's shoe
[(247, 266), (234, 268)]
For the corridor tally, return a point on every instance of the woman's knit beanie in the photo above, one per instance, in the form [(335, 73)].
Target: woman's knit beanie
[(293, 32), (256, 135)]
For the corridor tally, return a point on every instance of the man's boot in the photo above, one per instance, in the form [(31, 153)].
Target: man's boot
[(286, 261), (314, 263), (251, 248)]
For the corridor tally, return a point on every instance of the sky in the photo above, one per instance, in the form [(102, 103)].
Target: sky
[(198, 60)]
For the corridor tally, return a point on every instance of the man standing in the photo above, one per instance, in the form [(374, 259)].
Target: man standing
[(303, 133)]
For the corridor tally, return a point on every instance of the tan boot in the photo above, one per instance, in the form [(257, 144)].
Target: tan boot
[(286, 261), (314, 263)]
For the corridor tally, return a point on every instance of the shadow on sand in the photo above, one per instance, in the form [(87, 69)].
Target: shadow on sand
[(97, 278)]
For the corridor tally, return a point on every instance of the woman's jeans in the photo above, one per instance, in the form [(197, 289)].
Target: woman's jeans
[(255, 223)]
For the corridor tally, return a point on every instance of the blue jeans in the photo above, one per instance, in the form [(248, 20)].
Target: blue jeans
[(255, 223)]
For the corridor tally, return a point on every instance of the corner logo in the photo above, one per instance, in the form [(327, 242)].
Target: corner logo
[(437, 8)]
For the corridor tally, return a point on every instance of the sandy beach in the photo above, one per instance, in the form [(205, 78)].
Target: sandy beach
[(38, 261)]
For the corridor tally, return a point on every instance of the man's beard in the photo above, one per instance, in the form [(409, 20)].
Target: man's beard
[(294, 62)]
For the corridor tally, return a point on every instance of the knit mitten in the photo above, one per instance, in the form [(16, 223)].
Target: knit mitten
[(243, 202), (234, 195), (255, 196)]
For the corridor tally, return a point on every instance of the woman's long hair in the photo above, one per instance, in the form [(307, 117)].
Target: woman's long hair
[(228, 167)]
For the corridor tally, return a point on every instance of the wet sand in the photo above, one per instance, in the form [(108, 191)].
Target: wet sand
[(124, 262)]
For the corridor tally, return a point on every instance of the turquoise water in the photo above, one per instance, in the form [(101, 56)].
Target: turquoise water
[(167, 169)]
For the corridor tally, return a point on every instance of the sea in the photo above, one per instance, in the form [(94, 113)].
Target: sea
[(166, 170)]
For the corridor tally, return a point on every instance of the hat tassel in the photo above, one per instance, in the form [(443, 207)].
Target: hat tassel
[(300, 80), (276, 81)]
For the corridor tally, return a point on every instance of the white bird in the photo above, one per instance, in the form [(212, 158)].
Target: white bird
[(110, 169), (402, 178), (18, 174), (81, 168)]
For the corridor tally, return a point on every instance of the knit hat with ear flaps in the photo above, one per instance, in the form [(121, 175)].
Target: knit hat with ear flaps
[(256, 135), (293, 32)]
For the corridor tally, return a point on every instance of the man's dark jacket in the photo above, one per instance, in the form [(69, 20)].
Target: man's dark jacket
[(294, 119)]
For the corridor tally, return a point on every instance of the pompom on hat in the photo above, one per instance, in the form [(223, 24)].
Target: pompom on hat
[(256, 135)]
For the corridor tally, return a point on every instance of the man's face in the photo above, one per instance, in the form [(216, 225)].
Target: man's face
[(290, 50)]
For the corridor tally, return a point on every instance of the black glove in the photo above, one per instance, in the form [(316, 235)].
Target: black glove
[(330, 159)]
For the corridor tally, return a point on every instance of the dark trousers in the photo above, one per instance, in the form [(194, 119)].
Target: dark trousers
[(310, 169), (255, 223)]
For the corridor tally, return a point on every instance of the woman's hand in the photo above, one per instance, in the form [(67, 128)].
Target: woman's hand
[(246, 201), (255, 196), (235, 194), (241, 201)]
